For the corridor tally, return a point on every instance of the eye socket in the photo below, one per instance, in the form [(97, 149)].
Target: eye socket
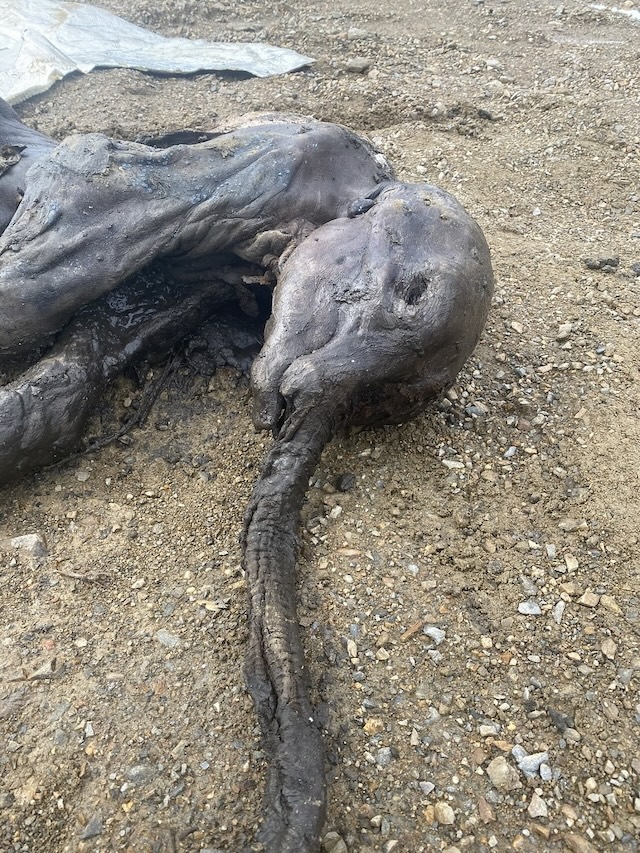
[(414, 287)]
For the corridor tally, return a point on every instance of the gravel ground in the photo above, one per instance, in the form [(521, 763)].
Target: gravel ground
[(468, 582)]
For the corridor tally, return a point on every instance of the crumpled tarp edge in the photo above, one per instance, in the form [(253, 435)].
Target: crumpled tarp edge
[(44, 40)]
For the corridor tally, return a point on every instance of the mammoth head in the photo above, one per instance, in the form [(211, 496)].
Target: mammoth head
[(375, 314)]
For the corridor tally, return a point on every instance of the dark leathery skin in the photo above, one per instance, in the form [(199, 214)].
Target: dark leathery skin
[(28, 146), (44, 411), (382, 292), (379, 311), (96, 211)]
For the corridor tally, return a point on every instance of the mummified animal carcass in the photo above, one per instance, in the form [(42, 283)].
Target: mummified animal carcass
[(380, 292)]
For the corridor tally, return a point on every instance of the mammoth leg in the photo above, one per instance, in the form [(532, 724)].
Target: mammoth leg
[(43, 412)]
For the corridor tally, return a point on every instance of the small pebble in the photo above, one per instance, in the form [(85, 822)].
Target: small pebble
[(570, 525), (610, 604), (564, 331), (487, 815), (608, 264), (589, 599), (32, 544), (558, 611), (546, 773), (502, 775), (345, 482), (529, 608), (436, 634), (530, 764), (138, 774), (373, 726), (384, 756), (92, 828), (167, 639), (577, 844), (624, 675), (519, 752), (537, 806), (333, 843), (358, 65), (444, 814)]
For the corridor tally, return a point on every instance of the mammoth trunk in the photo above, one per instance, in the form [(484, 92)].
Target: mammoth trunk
[(275, 670)]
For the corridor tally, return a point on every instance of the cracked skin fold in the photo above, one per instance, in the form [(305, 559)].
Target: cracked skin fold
[(382, 289)]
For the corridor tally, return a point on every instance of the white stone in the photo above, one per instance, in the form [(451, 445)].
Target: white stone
[(444, 814), (537, 806)]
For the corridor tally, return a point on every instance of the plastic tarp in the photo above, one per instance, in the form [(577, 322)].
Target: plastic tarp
[(43, 40), (634, 14)]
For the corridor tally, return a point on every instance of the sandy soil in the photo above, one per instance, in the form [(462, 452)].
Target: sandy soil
[(472, 601)]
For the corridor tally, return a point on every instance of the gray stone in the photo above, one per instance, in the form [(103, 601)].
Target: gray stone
[(31, 544), (546, 773), (92, 829), (530, 764), (140, 773), (358, 65), (384, 756), (537, 806), (529, 608), (436, 634), (167, 639), (333, 843)]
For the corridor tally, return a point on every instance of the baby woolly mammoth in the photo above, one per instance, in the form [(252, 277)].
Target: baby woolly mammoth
[(372, 317), (380, 292)]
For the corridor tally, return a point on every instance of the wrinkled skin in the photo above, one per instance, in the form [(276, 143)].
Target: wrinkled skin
[(373, 316), (255, 190), (377, 313), (382, 292)]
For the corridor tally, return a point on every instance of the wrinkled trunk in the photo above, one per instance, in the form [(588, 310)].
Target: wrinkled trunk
[(275, 669)]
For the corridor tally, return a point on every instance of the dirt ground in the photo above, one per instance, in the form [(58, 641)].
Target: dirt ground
[(471, 604)]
